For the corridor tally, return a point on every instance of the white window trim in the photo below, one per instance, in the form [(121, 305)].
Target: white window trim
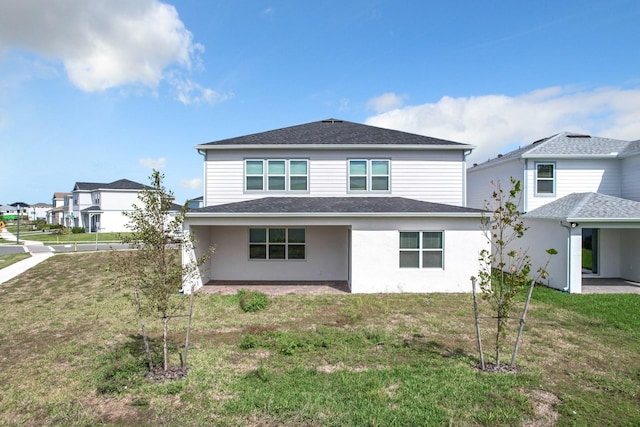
[(265, 175), (286, 244), (420, 249), (369, 176), (552, 179)]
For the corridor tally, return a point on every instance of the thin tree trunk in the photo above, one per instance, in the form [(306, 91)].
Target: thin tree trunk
[(498, 341), (186, 341), (522, 322), (475, 313), (165, 343), (144, 331)]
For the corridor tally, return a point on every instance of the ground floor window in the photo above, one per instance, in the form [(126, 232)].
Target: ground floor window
[(421, 249), (277, 243)]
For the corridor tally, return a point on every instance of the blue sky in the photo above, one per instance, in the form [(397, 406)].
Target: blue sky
[(107, 89)]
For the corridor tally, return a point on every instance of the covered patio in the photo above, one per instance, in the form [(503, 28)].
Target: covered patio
[(609, 286)]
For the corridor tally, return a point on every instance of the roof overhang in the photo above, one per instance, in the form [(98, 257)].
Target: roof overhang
[(457, 147), (570, 156), (334, 215)]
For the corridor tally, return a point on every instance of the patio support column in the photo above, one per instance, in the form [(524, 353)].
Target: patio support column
[(575, 260)]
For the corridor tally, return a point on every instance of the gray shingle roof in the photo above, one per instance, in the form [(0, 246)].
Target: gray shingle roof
[(94, 208), (121, 184), (323, 205), (571, 144), (334, 132), (589, 206)]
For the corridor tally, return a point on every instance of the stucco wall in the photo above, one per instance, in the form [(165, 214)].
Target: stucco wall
[(326, 256), (609, 252), (630, 255), (543, 235), (373, 261), (375, 254)]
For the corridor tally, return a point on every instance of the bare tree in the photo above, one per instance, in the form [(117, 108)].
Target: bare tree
[(153, 269), (504, 270)]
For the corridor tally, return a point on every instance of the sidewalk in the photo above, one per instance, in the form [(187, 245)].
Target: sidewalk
[(38, 252)]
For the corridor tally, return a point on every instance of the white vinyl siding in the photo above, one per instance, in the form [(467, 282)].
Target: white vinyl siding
[(434, 176), (630, 177), (576, 176), (479, 187)]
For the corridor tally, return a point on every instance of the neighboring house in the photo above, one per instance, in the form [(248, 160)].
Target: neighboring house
[(8, 212), (17, 209), (38, 211), (99, 206), (335, 201), (57, 213), (581, 196)]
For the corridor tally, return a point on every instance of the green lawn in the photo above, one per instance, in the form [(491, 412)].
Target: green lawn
[(71, 354), (53, 238), (7, 260)]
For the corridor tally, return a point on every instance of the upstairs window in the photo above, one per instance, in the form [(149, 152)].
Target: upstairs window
[(276, 243), (545, 178), (369, 175), (276, 175), (421, 249)]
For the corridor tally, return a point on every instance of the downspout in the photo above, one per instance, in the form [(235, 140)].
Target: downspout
[(464, 177), (568, 287), (204, 177), (525, 207)]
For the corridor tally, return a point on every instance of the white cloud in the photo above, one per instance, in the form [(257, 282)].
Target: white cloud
[(156, 164), (385, 102), (189, 92), (498, 123), (195, 183), (102, 43)]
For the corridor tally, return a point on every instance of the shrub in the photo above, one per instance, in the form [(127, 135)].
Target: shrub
[(77, 230), (251, 301)]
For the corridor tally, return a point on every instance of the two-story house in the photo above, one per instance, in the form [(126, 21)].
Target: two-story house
[(335, 201), (57, 212), (581, 196), (99, 206)]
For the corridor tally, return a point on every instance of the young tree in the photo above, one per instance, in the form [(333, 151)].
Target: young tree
[(505, 269), (153, 268)]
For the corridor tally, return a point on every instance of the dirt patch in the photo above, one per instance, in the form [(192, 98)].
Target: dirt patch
[(118, 411), (171, 374), (544, 404)]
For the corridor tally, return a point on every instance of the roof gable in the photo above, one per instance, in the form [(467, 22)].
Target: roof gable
[(568, 144), (333, 132), (121, 184)]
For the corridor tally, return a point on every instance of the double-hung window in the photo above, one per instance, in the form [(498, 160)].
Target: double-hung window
[(545, 178), (276, 175), (369, 175), (421, 249), (277, 244)]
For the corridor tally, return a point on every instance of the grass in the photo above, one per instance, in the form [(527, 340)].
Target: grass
[(71, 354), (8, 259), (54, 238), (587, 258)]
